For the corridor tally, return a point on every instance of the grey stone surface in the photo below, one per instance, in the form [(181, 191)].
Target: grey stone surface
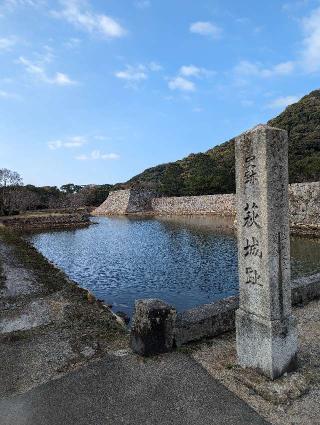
[(116, 203), (214, 319), (186, 205), (172, 389), (140, 201), (266, 330), (304, 203), (209, 320), (152, 329), (205, 321), (128, 201), (305, 289)]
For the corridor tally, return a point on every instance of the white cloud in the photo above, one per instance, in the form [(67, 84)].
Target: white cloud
[(143, 4), (77, 13), (101, 138), (183, 80), (154, 66), (283, 102), (7, 43), (194, 71), (32, 67), (8, 95), (110, 156), (6, 80), (311, 42), (206, 28), (247, 103), (244, 20), (293, 6), (190, 71), (55, 144), (308, 60), (97, 155), (37, 69), (11, 5), (133, 73), (70, 142), (247, 68), (46, 57), (72, 43), (283, 68), (61, 79), (183, 84), (17, 3), (75, 142)]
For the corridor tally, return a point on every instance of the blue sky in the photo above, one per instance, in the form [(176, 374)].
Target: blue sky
[(95, 91)]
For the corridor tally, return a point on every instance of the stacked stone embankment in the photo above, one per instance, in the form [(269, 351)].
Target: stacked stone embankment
[(184, 205), (304, 205), (116, 203), (128, 201)]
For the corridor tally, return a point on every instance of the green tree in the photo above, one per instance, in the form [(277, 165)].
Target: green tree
[(70, 188), (172, 183)]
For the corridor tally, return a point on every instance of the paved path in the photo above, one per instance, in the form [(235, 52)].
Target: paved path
[(171, 389)]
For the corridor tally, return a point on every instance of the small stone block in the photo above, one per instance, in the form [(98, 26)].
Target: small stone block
[(153, 326)]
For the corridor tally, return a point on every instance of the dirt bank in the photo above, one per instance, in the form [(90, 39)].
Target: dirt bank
[(47, 220), (48, 324)]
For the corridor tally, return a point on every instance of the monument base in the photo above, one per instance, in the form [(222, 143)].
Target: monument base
[(269, 346)]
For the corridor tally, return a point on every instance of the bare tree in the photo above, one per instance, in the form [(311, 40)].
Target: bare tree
[(9, 182), (23, 200)]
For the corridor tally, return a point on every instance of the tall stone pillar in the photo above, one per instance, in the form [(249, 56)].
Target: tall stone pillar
[(266, 329)]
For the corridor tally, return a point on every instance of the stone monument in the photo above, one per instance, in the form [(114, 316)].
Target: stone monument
[(266, 329)]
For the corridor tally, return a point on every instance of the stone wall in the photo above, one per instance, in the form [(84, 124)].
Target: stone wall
[(116, 203), (128, 201), (304, 200), (184, 205), (140, 201)]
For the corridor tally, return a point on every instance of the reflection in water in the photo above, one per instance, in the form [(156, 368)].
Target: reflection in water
[(186, 261), (217, 224), (305, 256)]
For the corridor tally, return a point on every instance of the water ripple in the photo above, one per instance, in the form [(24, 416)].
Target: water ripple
[(185, 261)]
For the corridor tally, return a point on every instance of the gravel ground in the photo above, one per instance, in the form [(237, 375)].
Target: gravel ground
[(48, 324), (291, 400)]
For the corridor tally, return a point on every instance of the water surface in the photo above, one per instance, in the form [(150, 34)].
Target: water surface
[(186, 261)]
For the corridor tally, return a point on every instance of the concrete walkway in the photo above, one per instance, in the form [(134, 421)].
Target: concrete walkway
[(170, 389)]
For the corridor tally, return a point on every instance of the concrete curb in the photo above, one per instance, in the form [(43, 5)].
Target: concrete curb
[(209, 320)]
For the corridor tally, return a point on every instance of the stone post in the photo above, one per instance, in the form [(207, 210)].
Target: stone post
[(153, 327), (265, 327)]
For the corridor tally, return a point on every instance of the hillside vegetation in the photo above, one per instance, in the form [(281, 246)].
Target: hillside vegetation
[(214, 171)]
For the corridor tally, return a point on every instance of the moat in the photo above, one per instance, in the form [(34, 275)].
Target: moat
[(186, 261)]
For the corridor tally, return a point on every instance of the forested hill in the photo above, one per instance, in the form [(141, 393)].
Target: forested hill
[(214, 171)]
